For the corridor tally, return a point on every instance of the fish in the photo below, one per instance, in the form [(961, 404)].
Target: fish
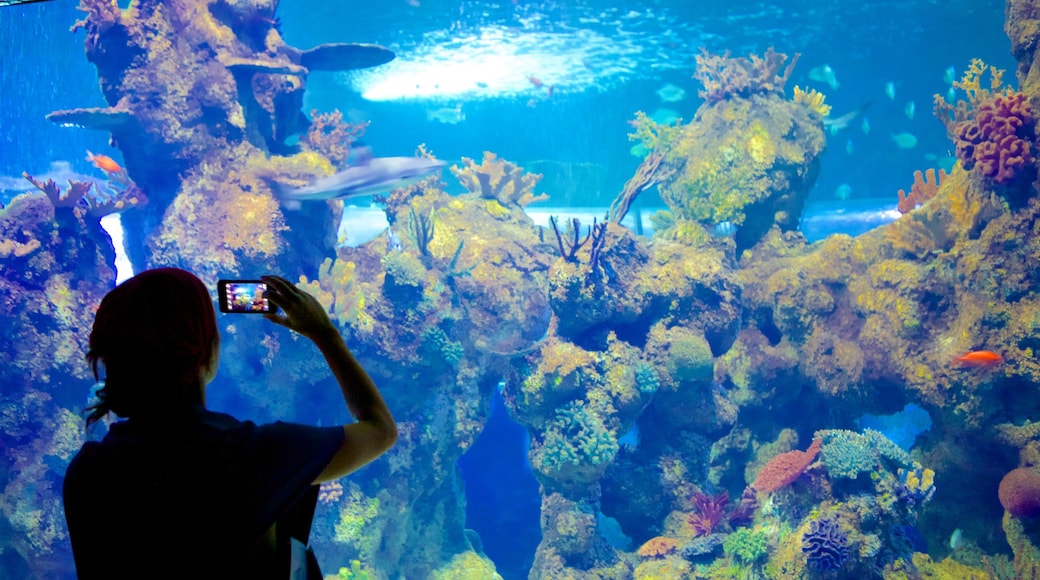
[(865, 126), (725, 229), (956, 539), (909, 110), (843, 192), (670, 93), (663, 116), (104, 163), (369, 177), (985, 359), (842, 122), (537, 82), (447, 115), (393, 242), (630, 440), (825, 74), (905, 140), (890, 90), (950, 75), (849, 147)]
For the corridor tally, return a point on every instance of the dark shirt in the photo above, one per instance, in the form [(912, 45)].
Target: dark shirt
[(193, 495)]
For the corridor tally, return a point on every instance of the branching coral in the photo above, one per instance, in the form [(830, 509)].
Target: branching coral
[(924, 188), (498, 179), (331, 136), (724, 77), (88, 198), (846, 454)]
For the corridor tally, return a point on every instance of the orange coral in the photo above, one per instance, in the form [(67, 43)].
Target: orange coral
[(657, 547), (924, 188), (785, 468)]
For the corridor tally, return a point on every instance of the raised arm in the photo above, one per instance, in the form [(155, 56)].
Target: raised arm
[(375, 431)]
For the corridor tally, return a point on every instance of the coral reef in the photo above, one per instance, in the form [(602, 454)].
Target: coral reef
[(749, 157), (655, 376)]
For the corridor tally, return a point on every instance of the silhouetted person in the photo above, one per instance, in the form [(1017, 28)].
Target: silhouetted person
[(177, 491)]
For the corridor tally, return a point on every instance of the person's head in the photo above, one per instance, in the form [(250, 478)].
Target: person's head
[(156, 336)]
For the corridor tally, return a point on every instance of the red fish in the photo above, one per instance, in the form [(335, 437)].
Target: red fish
[(537, 82), (985, 359), (104, 163)]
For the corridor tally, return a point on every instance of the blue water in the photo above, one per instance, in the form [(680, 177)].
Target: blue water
[(605, 60)]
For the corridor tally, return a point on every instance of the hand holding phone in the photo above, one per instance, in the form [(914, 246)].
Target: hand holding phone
[(244, 297), (300, 311)]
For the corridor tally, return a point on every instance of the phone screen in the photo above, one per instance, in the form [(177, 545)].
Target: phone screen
[(243, 297)]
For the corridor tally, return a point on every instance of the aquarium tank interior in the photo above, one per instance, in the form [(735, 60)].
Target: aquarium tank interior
[(655, 289)]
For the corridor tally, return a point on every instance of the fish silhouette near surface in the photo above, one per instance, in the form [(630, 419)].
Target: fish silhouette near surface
[(975, 359), (368, 177)]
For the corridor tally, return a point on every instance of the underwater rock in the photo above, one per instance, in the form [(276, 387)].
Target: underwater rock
[(101, 118), (340, 56)]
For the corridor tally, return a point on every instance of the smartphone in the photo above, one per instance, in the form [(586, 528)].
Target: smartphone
[(243, 297)]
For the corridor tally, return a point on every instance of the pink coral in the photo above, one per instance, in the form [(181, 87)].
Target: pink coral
[(998, 140), (1019, 492)]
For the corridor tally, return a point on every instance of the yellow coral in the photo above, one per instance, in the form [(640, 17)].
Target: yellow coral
[(812, 99), (338, 290), (467, 566), (948, 568), (498, 179), (760, 146)]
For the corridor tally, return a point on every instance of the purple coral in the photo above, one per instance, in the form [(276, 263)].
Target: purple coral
[(825, 546), (709, 512), (998, 139)]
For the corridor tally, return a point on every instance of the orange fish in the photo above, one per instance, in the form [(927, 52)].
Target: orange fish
[(104, 163), (978, 359)]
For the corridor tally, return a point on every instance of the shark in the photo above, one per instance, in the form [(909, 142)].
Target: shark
[(367, 177), (838, 123)]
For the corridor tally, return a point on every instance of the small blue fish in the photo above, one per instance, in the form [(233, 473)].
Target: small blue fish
[(909, 110), (950, 75), (905, 140), (843, 192), (890, 90)]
